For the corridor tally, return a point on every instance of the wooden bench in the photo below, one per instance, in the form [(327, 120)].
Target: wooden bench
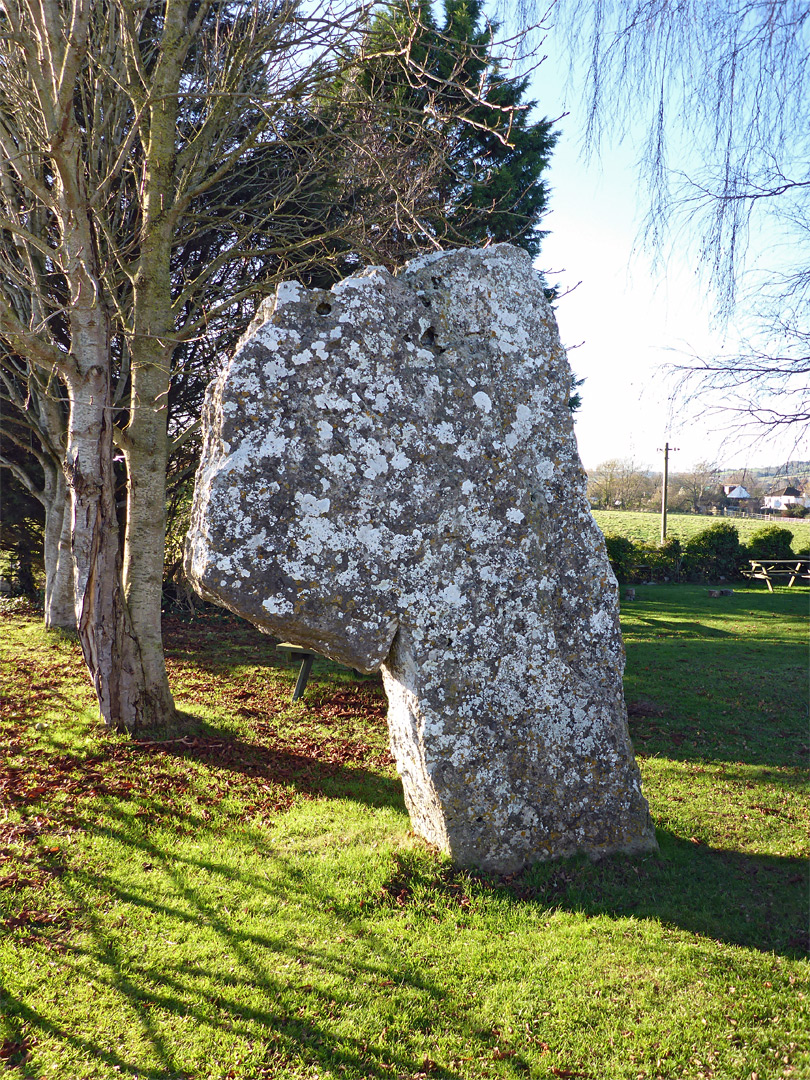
[(307, 656), (771, 570)]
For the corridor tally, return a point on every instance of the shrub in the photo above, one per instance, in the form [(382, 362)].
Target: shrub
[(714, 553), (795, 511), (771, 542), (667, 559), (662, 560), (659, 562), (622, 554)]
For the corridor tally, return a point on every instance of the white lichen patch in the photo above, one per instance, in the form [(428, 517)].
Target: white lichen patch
[(389, 476)]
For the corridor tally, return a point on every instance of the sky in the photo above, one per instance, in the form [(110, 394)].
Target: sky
[(626, 319)]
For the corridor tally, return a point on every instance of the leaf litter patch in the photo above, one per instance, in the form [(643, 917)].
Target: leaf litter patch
[(272, 757)]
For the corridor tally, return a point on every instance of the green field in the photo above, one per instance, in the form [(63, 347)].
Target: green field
[(250, 902), (636, 525)]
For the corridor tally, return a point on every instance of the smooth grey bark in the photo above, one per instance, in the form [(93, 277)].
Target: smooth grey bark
[(60, 595)]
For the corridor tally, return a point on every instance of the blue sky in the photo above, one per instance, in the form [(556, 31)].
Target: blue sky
[(632, 317)]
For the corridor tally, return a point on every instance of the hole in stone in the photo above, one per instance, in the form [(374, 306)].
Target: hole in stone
[(428, 337), (425, 301), (323, 308)]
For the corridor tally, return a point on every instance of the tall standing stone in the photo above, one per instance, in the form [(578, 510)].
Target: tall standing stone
[(390, 477)]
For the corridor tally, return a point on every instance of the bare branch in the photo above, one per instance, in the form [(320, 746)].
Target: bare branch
[(183, 438)]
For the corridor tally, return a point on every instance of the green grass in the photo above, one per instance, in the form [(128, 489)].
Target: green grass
[(250, 902), (636, 525)]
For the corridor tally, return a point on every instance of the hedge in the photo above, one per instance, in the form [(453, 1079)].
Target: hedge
[(711, 555)]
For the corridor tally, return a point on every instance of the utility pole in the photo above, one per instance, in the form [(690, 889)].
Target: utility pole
[(667, 449)]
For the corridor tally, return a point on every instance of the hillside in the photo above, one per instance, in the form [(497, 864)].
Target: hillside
[(771, 476)]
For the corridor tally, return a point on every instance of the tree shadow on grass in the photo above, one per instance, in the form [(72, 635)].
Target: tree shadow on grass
[(727, 700), (282, 988), (689, 630), (329, 767), (278, 1039), (282, 994), (757, 901)]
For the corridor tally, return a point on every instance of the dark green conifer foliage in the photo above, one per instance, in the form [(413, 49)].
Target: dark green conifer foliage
[(458, 143), (496, 192)]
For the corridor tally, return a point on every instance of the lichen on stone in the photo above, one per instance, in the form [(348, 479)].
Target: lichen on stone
[(390, 477)]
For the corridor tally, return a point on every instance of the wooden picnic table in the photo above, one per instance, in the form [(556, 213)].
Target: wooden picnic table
[(770, 570)]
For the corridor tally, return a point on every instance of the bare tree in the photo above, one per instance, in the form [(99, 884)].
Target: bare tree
[(98, 177), (721, 90), (695, 484), (620, 483), (763, 387), (160, 164)]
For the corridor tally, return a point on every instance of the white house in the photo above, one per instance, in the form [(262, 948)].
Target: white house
[(780, 500), (735, 491)]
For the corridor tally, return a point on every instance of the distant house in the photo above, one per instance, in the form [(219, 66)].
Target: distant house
[(735, 491), (780, 500)]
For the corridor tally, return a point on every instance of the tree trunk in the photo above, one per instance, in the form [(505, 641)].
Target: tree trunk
[(127, 695), (146, 435), (60, 594), (108, 645), (146, 454), (64, 159), (132, 688), (25, 572), (146, 458)]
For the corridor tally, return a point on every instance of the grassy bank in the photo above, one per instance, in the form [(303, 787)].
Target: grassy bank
[(250, 902), (647, 527)]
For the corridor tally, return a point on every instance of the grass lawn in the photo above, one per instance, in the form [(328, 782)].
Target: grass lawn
[(636, 525), (250, 902)]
